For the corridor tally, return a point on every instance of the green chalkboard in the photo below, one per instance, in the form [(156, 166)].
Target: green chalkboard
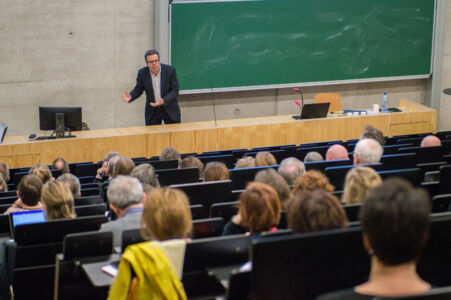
[(228, 44)]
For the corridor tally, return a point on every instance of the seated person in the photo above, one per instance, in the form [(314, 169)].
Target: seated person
[(145, 173), (191, 162), (264, 158), (5, 171), (316, 210), (259, 211), (367, 152), (313, 180), (291, 168), (313, 156), (245, 162), (272, 178), (337, 152), (395, 227), (29, 193), (124, 166), (3, 184), (57, 200), (125, 196), (170, 153), (359, 181), (371, 132), (106, 170), (431, 141), (215, 171), (60, 164), (166, 221), (72, 182), (42, 171)]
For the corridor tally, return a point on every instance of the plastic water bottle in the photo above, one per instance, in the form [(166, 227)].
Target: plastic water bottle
[(384, 103)]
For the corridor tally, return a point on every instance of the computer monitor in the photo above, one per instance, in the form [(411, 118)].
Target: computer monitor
[(53, 117)]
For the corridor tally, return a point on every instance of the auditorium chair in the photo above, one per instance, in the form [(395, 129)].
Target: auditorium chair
[(227, 159), (9, 193), (78, 248), (163, 164), (333, 98), (37, 246), (130, 237), (206, 193), (425, 154), (240, 177), (88, 200), (8, 200), (393, 149), (198, 211), (86, 169), (398, 161), (225, 210), (4, 226), (352, 211), (413, 175), (443, 293), (440, 203), (279, 155), (445, 179), (176, 176), (209, 227), (90, 210), (90, 191), (302, 152), (322, 165), (207, 261)]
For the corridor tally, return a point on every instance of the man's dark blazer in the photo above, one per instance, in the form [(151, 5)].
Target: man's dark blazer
[(169, 91)]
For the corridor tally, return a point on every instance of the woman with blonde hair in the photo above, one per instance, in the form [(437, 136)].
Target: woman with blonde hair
[(166, 221), (58, 201), (265, 158), (359, 181), (42, 171)]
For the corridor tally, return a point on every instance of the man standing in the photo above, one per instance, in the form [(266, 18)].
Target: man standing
[(160, 83)]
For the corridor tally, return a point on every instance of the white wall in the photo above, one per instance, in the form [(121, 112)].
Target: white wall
[(85, 53)]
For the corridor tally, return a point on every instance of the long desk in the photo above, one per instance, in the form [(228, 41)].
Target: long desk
[(147, 141)]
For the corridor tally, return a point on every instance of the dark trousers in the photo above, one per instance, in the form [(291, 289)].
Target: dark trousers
[(159, 115)]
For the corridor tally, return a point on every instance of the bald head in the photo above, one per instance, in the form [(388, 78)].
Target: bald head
[(337, 152), (431, 141), (367, 152)]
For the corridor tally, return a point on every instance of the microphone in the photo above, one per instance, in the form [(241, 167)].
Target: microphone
[(297, 90)]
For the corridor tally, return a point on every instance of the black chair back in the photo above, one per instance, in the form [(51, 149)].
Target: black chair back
[(164, 164), (176, 176), (90, 210), (86, 169), (322, 165), (240, 177), (398, 161), (413, 175), (352, 211), (440, 203), (207, 193), (204, 228), (130, 237), (225, 210), (227, 159), (198, 212), (87, 244), (88, 200)]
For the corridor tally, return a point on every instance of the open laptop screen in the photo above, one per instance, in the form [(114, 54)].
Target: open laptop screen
[(27, 217)]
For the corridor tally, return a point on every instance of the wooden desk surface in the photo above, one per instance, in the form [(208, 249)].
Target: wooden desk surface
[(147, 141)]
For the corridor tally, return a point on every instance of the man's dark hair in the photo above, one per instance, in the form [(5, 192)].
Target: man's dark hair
[(371, 132), (395, 217), (151, 52), (30, 187)]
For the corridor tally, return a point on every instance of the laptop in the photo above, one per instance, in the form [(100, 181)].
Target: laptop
[(3, 129), (25, 217), (314, 111)]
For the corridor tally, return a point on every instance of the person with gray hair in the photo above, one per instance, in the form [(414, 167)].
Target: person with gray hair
[(291, 168), (367, 152), (313, 156), (103, 171), (125, 196), (72, 183), (170, 153), (145, 173)]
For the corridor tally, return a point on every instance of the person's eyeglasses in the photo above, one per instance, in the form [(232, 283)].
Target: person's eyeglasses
[(152, 61)]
